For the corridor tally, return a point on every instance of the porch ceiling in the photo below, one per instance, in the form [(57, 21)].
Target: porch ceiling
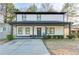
[(40, 23)]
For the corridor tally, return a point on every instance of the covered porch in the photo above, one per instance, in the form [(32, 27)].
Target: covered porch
[(38, 29)]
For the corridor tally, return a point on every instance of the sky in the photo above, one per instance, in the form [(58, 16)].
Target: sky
[(56, 6)]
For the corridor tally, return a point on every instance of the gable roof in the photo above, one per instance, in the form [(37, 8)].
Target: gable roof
[(39, 12)]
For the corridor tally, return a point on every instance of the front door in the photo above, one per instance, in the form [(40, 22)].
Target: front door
[(39, 32)]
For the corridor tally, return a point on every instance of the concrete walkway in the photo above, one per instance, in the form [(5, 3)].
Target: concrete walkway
[(24, 47)]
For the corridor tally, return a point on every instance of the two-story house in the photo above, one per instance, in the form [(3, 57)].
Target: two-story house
[(37, 24)]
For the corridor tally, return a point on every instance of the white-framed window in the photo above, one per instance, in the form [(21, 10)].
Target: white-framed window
[(27, 30), (24, 17), (38, 17), (4, 28), (50, 30), (19, 17), (20, 30), (1, 29)]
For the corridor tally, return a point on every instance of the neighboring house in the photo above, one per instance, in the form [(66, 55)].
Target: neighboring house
[(75, 28), (28, 24), (75, 25), (5, 28)]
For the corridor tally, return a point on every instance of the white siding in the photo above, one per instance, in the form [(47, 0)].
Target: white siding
[(59, 30), (23, 27), (53, 17), (19, 17), (44, 17), (31, 17)]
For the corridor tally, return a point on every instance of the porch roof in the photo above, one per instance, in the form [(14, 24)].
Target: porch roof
[(39, 23), (39, 12)]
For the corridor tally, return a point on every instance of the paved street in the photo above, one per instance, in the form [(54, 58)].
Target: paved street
[(24, 47)]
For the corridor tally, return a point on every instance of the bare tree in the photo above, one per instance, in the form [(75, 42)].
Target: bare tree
[(32, 8), (47, 7), (70, 9)]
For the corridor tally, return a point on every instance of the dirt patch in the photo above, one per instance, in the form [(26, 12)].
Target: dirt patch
[(62, 47), (63, 52), (3, 41)]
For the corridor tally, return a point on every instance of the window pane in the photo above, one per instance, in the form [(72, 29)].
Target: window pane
[(51, 30), (1, 29), (19, 17), (24, 17), (38, 17), (20, 30), (27, 30), (4, 29)]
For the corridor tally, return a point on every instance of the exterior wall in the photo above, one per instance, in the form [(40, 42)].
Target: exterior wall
[(15, 30), (46, 17), (66, 31), (59, 30), (19, 17), (29, 17), (6, 31), (53, 17), (42, 29), (32, 17)]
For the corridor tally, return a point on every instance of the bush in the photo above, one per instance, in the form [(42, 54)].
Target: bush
[(78, 34), (71, 36), (58, 36), (10, 37), (46, 37)]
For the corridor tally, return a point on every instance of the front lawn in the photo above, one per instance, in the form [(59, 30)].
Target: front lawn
[(62, 46)]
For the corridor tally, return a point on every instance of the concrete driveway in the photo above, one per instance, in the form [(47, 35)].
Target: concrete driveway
[(24, 47)]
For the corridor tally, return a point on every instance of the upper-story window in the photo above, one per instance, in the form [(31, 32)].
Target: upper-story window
[(19, 17), (24, 17), (38, 17)]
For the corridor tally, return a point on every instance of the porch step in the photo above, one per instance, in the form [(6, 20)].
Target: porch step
[(18, 37)]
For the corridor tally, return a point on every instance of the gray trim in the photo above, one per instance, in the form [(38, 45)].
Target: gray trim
[(16, 30), (39, 12), (45, 30), (23, 17), (69, 29), (39, 23), (11, 29), (33, 30)]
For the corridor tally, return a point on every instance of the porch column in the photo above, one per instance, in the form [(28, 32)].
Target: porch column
[(11, 29), (45, 30), (33, 30), (69, 29)]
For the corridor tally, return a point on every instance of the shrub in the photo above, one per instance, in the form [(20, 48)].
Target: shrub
[(71, 36), (10, 37), (57, 36), (61, 36), (46, 37), (78, 34)]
